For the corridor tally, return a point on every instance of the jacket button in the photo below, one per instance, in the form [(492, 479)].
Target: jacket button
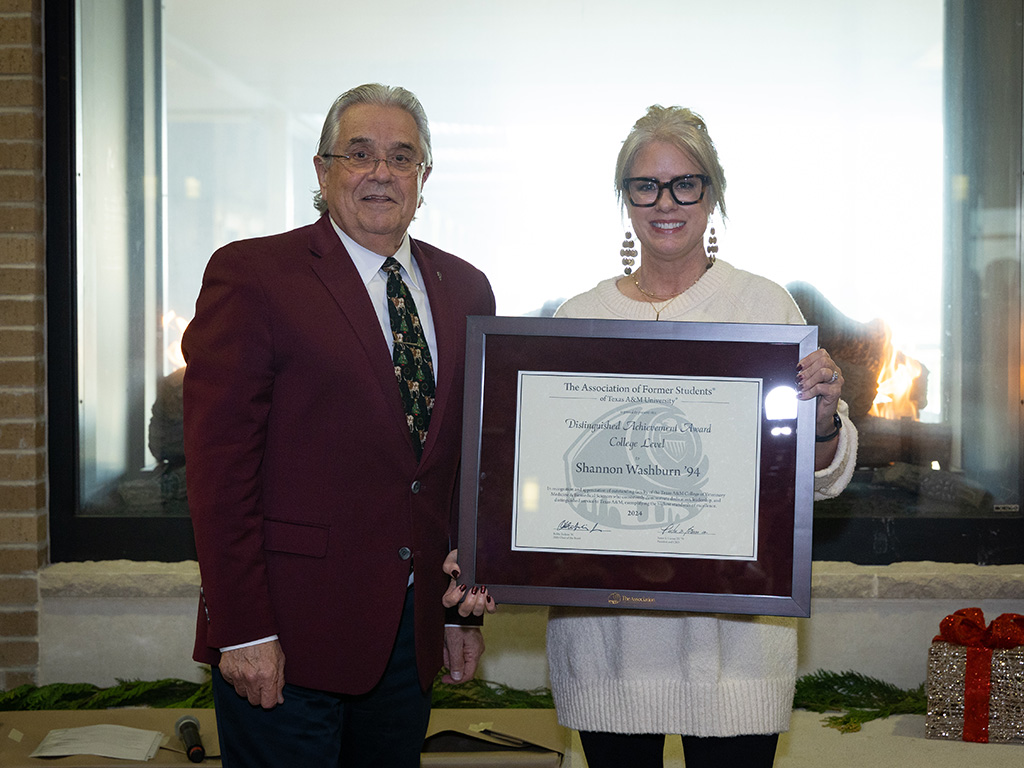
[(415, 486), (405, 553)]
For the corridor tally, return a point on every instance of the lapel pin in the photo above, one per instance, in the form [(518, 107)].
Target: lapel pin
[(439, 275)]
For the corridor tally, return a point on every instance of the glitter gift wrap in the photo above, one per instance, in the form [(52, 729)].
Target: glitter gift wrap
[(976, 678)]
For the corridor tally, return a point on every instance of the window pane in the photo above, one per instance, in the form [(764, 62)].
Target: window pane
[(121, 257), (872, 151)]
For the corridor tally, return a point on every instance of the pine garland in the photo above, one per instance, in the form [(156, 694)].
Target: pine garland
[(485, 694), (170, 693), (864, 698), (181, 694)]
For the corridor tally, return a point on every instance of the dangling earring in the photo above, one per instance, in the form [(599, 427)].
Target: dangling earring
[(627, 253), (712, 249)]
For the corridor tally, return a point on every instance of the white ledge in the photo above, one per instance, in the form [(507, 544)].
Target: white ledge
[(829, 580), (120, 578), (917, 581)]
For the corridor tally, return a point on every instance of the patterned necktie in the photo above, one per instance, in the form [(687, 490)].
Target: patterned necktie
[(413, 366)]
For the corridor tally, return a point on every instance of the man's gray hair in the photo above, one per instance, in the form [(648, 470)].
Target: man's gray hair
[(381, 96)]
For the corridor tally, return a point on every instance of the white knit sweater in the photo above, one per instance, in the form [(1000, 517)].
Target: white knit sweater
[(695, 674)]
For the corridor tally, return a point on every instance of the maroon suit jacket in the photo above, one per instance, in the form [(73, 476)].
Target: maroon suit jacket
[(304, 490)]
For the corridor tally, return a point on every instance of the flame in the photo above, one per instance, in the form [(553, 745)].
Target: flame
[(896, 384), (174, 328)]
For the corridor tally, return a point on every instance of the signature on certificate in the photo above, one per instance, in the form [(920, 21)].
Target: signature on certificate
[(569, 525)]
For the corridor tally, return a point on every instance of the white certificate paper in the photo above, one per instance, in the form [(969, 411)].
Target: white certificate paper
[(637, 465), (107, 740)]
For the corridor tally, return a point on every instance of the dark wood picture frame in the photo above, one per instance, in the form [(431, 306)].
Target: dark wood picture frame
[(776, 582)]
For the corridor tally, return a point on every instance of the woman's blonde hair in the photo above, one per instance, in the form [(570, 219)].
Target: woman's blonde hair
[(683, 129)]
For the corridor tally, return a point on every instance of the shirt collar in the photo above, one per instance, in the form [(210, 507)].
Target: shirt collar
[(368, 263)]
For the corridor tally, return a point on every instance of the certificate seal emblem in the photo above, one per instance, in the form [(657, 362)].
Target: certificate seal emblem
[(641, 466)]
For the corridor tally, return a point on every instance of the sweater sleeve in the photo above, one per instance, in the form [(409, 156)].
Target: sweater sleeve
[(830, 481)]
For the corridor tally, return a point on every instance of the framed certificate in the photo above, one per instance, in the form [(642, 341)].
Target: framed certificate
[(643, 465)]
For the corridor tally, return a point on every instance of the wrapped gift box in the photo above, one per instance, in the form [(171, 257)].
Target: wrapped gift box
[(976, 679)]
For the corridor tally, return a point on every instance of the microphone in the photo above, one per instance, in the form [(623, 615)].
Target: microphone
[(187, 729)]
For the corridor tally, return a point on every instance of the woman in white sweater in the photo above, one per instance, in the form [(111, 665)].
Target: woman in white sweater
[(624, 679)]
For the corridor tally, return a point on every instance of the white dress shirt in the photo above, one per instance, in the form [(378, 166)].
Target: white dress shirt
[(368, 264)]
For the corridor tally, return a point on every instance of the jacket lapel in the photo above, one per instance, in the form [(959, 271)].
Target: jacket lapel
[(335, 269)]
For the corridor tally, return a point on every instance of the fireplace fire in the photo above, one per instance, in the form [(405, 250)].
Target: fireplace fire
[(900, 381), (886, 390)]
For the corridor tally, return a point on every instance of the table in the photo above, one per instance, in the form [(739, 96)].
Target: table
[(453, 736)]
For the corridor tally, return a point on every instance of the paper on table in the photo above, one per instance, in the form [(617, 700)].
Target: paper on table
[(103, 740)]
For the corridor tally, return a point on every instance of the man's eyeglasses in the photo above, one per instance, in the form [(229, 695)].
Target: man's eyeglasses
[(400, 163), (686, 190)]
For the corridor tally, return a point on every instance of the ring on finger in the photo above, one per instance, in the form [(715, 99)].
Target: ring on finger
[(835, 377)]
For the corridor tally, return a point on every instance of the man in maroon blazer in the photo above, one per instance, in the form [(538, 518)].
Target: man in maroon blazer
[(322, 533)]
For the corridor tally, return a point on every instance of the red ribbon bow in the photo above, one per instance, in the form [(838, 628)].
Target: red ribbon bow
[(967, 627)]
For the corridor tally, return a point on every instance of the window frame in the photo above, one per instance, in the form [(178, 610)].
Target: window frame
[(73, 537)]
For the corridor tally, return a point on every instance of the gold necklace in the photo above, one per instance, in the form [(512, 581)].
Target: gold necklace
[(636, 282), (658, 310), (667, 299)]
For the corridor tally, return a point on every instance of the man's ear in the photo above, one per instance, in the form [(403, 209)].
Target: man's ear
[(321, 170), (426, 174)]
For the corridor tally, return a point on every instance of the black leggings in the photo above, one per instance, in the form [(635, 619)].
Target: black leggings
[(620, 750)]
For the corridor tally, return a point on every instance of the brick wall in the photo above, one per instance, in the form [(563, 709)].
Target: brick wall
[(23, 516)]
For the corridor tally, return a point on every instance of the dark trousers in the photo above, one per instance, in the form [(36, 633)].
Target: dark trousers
[(314, 729), (614, 750)]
